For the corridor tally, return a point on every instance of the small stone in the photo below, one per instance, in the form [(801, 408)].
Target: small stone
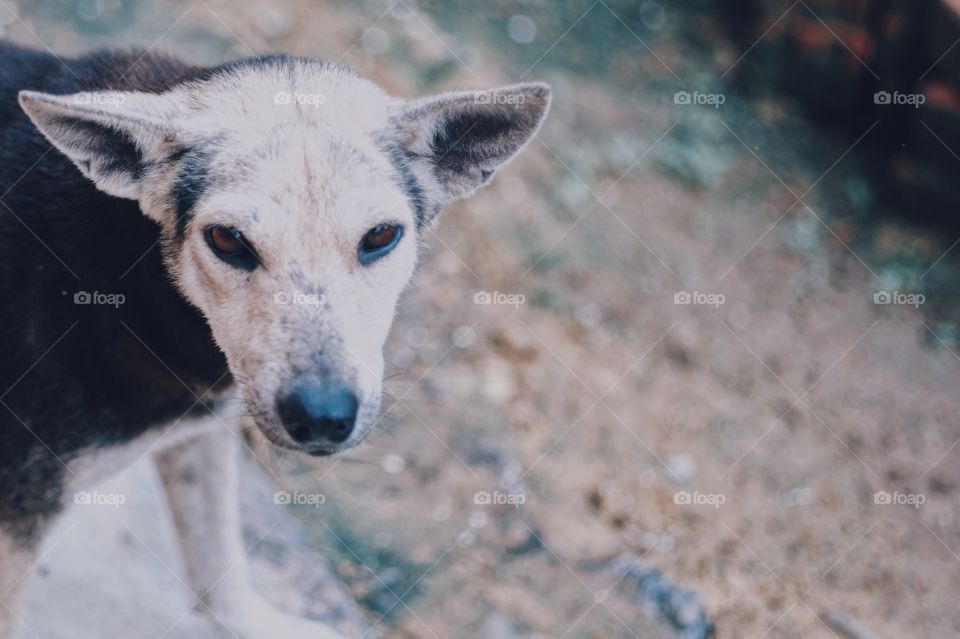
[(521, 29), (652, 16), (682, 467), (499, 383), (393, 464)]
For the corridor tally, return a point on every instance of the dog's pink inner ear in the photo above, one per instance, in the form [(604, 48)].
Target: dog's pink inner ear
[(463, 138)]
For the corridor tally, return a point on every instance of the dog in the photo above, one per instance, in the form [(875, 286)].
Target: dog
[(185, 248)]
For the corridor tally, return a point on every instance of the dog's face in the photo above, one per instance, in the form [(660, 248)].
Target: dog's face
[(291, 196)]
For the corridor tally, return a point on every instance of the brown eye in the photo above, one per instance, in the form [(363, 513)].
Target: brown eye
[(226, 239), (379, 236), (230, 246), (379, 241)]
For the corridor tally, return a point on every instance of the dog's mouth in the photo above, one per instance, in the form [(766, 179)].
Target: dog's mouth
[(318, 451), (278, 440)]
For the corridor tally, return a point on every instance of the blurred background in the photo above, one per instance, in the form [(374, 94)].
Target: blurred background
[(689, 365)]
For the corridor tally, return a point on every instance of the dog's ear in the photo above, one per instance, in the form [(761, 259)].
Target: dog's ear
[(457, 140), (113, 137)]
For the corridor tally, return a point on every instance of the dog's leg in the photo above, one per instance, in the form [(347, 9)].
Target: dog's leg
[(16, 560), (200, 475)]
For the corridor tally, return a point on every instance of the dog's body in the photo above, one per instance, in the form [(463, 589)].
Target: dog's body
[(133, 304)]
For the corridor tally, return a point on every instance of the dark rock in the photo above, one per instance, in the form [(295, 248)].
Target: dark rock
[(679, 607)]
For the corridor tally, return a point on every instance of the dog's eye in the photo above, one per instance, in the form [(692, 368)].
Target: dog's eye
[(379, 241), (230, 246)]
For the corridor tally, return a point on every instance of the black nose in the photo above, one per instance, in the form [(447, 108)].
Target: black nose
[(319, 415)]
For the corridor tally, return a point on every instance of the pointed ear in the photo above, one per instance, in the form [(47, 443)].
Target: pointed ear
[(113, 137), (459, 139)]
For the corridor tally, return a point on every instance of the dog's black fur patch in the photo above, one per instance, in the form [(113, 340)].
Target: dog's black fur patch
[(424, 211), (80, 376), (190, 184)]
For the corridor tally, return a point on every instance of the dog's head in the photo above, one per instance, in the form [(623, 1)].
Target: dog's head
[(291, 195)]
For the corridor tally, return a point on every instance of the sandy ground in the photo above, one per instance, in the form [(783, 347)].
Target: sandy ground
[(783, 412)]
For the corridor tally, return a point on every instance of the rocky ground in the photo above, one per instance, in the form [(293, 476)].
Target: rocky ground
[(593, 459)]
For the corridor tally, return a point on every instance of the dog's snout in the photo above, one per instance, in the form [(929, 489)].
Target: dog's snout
[(319, 416)]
